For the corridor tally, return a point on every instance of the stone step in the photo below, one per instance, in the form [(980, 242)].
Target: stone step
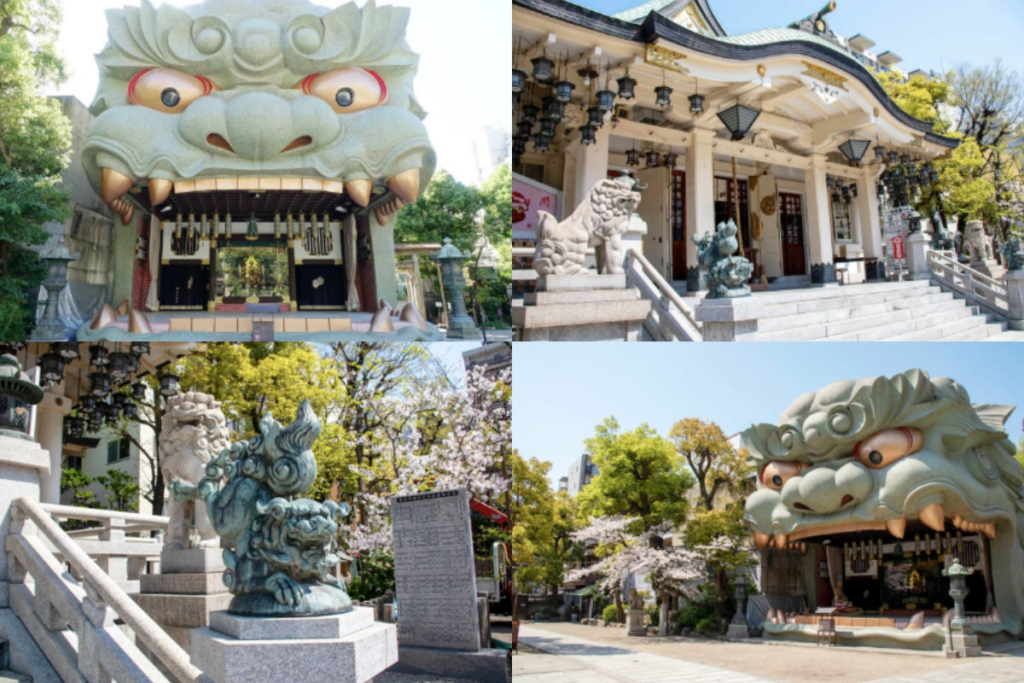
[(8, 676), (866, 328), (915, 327), (797, 306), (868, 305), (968, 327), (832, 292), (980, 333), (789, 282)]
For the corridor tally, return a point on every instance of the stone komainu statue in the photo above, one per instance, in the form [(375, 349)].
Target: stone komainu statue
[(727, 274), (599, 222), (192, 433), (281, 548), (978, 241)]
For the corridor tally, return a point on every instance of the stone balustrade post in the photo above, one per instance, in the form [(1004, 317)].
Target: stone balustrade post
[(116, 566), (1015, 298), (918, 246)]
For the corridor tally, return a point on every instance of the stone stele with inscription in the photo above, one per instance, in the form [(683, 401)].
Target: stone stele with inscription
[(435, 577)]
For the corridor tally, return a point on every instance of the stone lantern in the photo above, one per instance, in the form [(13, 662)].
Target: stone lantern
[(57, 258), (18, 394), (962, 641), (460, 325)]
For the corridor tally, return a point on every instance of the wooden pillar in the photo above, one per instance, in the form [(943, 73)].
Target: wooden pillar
[(819, 222), (700, 199)]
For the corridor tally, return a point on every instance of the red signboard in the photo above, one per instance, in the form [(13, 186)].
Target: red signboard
[(897, 248), (527, 200)]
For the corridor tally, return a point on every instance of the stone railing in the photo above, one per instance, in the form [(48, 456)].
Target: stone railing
[(671, 318), (124, 558), (979, 289), (525, 275), (102, 617)]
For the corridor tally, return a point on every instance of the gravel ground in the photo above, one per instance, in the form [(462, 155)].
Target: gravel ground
[(794, 663)]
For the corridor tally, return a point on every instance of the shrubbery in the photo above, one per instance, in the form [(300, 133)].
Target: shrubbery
[(610, 614), (709, 626), (691, 615), (376, 575)]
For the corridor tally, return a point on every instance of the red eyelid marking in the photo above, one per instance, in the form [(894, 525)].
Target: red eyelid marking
[(307, 83), (382, 84), (207, 85), (131, 86)]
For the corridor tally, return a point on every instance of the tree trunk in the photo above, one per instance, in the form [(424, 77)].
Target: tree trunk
[(620, 616), (663, 615), (721, 593)]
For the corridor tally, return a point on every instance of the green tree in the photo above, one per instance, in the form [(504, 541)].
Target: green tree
[(34, 139), (918, 96), (1019, 456), (122, 490), (78, 483), (639, 475), (721, 537), (446, 209), (714, 461)]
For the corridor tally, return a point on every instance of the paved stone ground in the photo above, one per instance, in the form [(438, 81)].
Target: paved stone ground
[(1008, 335), (557, 653)]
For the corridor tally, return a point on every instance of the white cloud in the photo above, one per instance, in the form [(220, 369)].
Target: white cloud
[(464, 48)]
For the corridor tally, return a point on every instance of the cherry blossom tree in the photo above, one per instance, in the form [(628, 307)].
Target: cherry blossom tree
[(435, 438)]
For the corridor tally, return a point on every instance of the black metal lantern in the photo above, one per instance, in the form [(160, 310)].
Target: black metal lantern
[(76, 426), (663, 96), (830, 182), (588, 135), (524, 128), (530, 112), (696, 103), (543, 69), (836, 197), (880, 152), (632, 157), (627, 86), (738, 119), (595, 117), (86, 404), (933, 175), (99, 384), (168, 384), (67, 350), (98, 355), (653, 159), (854, 150), (113, 414), (130, 411), (119, 365), (541, 143), (553, 109), (880, 190), (51, 367), (8, 349), (133, 363), (548, 128), (563, 91), (518, 80), (605, 100), (139, 391), (670, 159), (893, 157), (120, 400), (853, 189), (905, 159)]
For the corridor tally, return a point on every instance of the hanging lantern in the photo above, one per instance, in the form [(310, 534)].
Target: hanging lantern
[(653, 159), (632, 157), (627, 87), (518, 80), (133, 363), (738, 119), (553, 109), (880, 152), (253, 233), (51, 367), (113, 414), (541, 143), (519, 143), (830, 182), (139, 391), (605, 100), (130, 411), (168, 384), (548, 128), (86, 404), (854, 150), (120, 401), (663, 96), (696, 103), (543, 69), (670, 159), (595, 117), (99, 384), (836, 197), (530, 112), (119, 365), (98, 355), (67, 350), (76, 427), (853, 188), (905, 159), (933, 175), (563, 91), (893, 157), (525, 127), (588, 135)]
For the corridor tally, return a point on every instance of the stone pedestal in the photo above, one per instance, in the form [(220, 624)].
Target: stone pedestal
[(349, 648), (729, 319), (187, 589), (581, 308), (1015, 298), (635, 623), (984, 266), (917, 256), (22, 461), (963, 645)]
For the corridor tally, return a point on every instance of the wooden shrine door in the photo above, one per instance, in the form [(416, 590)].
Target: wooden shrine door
[(678, 225), (791, 226)]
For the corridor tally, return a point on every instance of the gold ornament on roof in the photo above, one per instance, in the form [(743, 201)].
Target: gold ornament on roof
[(665, 59), (827, 77)]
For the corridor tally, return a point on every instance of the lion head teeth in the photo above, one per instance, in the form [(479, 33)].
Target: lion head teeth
[(933, 516), (406, 185), (896, 526)]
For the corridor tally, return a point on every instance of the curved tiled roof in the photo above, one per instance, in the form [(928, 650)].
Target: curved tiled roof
[(639, 13), (762, 44)]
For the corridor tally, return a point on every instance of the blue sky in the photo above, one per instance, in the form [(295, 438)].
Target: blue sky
[(564, 390), (929, 34)]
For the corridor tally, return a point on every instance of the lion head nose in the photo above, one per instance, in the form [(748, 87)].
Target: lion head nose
[(823, 490)]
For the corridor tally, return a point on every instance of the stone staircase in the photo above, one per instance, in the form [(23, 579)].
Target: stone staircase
[(6, 675), (885, 311)]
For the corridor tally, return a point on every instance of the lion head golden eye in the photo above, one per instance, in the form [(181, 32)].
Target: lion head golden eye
[(168, 90), (347, 90), (883, 448), (775, 474)]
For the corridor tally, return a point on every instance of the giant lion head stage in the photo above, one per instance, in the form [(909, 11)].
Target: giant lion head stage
[(229, 96), (888, 480)]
